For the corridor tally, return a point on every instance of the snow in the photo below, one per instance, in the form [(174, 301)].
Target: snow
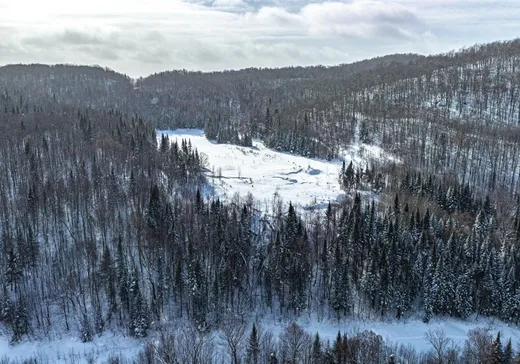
[(69, 349), (263, 172), (308, 182), (406, 332)]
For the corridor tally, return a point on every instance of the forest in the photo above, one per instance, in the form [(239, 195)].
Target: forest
[(105, 226)]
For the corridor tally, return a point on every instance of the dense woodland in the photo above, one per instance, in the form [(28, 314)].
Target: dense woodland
[(102, 227)]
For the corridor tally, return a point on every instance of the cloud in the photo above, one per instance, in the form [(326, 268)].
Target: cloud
[(362, 18), (231, 5), (139, 37)]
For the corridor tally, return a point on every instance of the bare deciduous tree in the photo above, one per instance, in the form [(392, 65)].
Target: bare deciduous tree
[(233, 334), (295, 343)]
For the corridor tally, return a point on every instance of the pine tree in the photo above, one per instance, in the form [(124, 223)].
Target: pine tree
[(155, 210), (429, 291), (86, 330), (122, 275), (14, 271), (397, 206), (197, 287), (317, 353), (463, 297), (165, 144), (139, 316), (442, 289), (6, 307), (508, 352), (496, 351), (339, 278), (339, 349), (20, 324), (253, 347)]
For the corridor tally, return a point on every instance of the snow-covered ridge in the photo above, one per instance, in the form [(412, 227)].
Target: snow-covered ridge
[(264, 172)]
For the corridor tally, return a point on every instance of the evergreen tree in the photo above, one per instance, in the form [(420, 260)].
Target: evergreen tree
[(197, 288), (339, 295), (497, 355), (508, 353), (6, 307), (317, 353), (139, 317), (122, 275), (14, 270), (253, 347), (20, 323), (86, 330), (463, 297), (442, 289), (154, 212)]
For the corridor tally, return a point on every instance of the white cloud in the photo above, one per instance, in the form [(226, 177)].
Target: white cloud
[(139, 37), (231, 5)]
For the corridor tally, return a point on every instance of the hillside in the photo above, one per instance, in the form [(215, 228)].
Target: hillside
[(384, 190)]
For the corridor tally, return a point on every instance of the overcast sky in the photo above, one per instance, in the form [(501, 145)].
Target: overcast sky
[(139, 37)]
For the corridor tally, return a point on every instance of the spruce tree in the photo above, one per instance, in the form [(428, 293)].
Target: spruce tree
[(496, 351), (20, 324), (6, 307), (139, 316), (154, 212), (508, 352), (253, 347), (86, 330), (317, 352), (122, 275)]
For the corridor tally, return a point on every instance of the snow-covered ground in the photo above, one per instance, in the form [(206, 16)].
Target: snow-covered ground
[(406, 332), (264, 172), (70, 349)]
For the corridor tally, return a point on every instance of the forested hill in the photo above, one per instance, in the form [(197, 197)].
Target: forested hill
[(102, 228), (433, 112), (96, 86), (453, 115)]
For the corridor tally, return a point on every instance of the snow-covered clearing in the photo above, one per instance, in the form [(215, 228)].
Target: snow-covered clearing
[(405, 332), (70, 349), (264, 172)]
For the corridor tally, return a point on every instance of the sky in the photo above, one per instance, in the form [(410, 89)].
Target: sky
[(141, 37)]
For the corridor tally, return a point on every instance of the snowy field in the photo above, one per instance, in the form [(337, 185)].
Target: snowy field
[(406, 332), (264, 172), (70, 349)]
